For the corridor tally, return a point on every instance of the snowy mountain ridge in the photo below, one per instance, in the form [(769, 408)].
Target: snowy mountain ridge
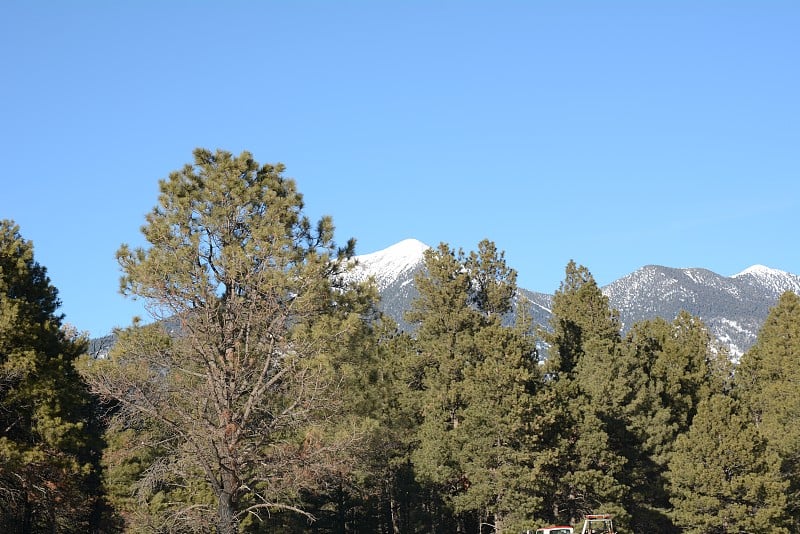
[(733, 308)]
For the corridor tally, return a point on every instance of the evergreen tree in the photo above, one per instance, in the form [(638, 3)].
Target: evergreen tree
[(371, 497), (723, 477), (240, 393), (676, 366), (475, 390), (445, 327), (766, 382), (48, 445), (582, 471), (403, 504)]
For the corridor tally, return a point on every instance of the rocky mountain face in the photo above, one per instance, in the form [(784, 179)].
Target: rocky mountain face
[(733, 308)]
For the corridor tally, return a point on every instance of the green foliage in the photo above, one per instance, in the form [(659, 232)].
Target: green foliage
[(675, 367), (583, 470), (473, 380), (581, 320), (766, 382), (270, 395), (723, 477), (48, 475), (242, 392)]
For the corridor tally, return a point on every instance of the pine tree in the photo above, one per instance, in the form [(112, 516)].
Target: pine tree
[(240, 377), (766, 382), (475, 390), (676, 367), (401, 500), (723, 477), (370, 497), (445, 327), (582, 470), (48, 451)]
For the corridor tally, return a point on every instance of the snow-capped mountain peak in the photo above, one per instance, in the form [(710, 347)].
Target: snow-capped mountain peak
[(733, 308), (770, 279), (391, 263), (760, 270)]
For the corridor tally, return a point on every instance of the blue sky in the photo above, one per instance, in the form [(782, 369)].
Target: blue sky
[(617, 134)]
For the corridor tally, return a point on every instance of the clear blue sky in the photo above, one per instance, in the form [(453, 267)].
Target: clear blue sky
[(617, 134)]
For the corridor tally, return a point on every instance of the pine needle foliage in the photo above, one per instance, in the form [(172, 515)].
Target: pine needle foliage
[(582, 472), (766, 381), (477, 377), (723, 477), (236, 383), (48, 440)]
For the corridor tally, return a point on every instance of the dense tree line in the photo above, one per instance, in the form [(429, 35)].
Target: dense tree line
[(270, 395)]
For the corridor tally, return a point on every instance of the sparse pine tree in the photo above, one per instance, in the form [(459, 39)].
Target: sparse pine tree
[(241, 393)]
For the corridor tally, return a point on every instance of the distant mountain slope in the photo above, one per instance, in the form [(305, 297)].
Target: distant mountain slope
[(770, 280), (733, 308)]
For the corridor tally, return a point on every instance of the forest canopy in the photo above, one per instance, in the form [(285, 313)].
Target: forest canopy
[(270, 394)]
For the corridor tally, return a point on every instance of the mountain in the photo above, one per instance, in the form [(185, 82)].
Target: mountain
[(394, 269), (733, 308)]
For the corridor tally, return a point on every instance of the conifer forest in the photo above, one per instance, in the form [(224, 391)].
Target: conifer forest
[(269, 394)]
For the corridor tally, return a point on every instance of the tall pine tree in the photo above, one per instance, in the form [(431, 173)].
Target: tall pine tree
[(48, 446), (767, 380), (478, 377), (582, 472), (239, 398), (676, 366)]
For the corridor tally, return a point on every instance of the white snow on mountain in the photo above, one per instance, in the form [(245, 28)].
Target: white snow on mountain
[(391, 263), (774, 280), (731, 307), (759, 270)]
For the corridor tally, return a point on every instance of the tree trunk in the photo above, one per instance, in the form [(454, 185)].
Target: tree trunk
[(394, 508), (27, 515), (341, 509), (498, 523), (226, 520)]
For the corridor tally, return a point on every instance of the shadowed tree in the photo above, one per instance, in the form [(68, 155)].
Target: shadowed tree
[(673, 367), (767, 380), (723, 477), (48, 453)]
